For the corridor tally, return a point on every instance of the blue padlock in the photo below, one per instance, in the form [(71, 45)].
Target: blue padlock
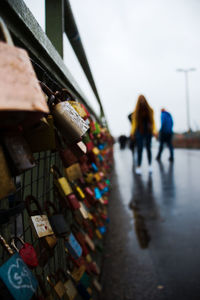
[(102, 229), (95, 168), (18, 278), (97, 193), (73, 246), (100, 157)]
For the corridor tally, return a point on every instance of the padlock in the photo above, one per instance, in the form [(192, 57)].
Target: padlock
[(88, 228), (89, 242), (73, 172), (16, 276), (94, 167), (6, 182), (57, 220), (89, 178), (97, 285), (22, 100), (40, 223), (97, 193), (90, 195), (98, 234), (85, 280), (69, 122), (79, 192), (86, 203), (70, 288), (90, 146), (79, 108), (71, 125), (96, 151), (61, 182), (73, 201), (27, 252), (42, 138), (80, 238), (67, 156), (73, 246), (57, 286), (19, 152), (77, 273), (84, 167), (83, 210)]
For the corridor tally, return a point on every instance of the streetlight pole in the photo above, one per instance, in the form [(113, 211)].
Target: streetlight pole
[(186, 71)]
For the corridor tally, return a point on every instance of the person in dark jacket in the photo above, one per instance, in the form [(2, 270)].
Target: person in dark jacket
[(166, 134)]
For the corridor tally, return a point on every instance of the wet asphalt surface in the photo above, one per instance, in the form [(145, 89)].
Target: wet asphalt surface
[(152, 247)]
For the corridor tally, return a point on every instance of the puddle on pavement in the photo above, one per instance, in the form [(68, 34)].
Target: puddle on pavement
[(140, 227)]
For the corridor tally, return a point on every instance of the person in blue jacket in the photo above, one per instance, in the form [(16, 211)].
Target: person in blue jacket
[(166, 134)]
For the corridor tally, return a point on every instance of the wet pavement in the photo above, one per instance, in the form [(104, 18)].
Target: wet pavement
[(152, 248)]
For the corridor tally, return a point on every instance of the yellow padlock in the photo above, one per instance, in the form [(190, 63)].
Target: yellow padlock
[(64, 186), (61, 182), (73, 172), (80, 192), (88, 258), (96, 151), (97, 176), (98, 234), (89, 177)]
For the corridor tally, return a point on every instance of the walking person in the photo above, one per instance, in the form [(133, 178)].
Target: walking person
[(131, 140), (166, 134), (142, 130)]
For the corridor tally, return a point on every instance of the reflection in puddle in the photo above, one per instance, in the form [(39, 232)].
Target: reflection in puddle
[(143, 206), (141, 229)]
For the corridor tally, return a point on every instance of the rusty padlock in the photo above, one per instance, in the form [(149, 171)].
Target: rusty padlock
[(22, 100), (19, 152)]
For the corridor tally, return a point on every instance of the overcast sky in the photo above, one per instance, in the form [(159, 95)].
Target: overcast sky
[(134, 47)]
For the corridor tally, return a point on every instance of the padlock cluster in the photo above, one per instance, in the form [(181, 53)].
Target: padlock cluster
[(70, 225)]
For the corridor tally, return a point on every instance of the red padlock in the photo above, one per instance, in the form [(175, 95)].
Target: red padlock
[(73, 201), (27, 252)]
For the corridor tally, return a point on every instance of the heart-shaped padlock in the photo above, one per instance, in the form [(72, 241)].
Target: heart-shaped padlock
[(27, 252)]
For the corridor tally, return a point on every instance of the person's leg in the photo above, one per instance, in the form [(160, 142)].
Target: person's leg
[(139, 143), (170, 146), (148, 147), (160, 147)]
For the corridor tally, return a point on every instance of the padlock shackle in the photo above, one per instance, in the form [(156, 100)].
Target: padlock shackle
[(14, 239), (56, 172), (64, 95), (51, 95), (6, 245), (5, 32), (47, 206), (31, 199), (49, 279), (46, 89)]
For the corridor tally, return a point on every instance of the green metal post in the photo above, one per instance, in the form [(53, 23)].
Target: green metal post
[(55, 23)]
